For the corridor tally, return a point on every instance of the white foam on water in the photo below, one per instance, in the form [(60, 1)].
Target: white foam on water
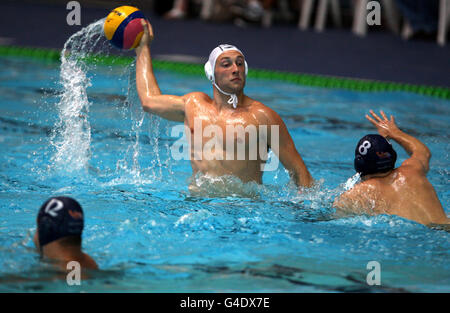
[(203, 185), (193, 218)]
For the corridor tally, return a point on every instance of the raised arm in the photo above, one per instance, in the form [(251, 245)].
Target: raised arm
[(167, 106), (287, 153), (419, 153)]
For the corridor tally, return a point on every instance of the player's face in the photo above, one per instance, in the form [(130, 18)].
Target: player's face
[(230, 71)]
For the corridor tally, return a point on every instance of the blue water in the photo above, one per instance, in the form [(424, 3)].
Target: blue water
[(148, 233)]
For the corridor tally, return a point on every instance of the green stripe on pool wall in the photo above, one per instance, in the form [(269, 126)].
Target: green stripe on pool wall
[(51, 56)]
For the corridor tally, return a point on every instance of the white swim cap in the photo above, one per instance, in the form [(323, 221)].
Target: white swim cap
[(211, 64)]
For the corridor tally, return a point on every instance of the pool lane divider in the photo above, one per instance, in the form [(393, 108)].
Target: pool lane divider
[(53, 56)]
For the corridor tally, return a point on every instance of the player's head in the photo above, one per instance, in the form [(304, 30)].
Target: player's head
[(59, 217), (227, 69), (374, 154)]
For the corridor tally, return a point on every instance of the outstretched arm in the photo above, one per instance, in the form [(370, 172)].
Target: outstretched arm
[(419, 153), (167, 106)]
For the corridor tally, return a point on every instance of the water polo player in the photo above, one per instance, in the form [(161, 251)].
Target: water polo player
[(404, 191), (60, 224), (230, 107)]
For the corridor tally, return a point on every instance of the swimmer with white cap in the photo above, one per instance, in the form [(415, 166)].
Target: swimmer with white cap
[(211, 64), (227, 69)]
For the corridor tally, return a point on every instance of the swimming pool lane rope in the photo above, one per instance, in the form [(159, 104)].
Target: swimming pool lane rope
[(53, 56)]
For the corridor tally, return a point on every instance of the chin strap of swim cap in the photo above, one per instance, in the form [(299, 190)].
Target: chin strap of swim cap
[(233, 98), (211, 64)]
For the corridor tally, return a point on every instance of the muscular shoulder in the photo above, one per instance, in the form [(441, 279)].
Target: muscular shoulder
[(194, 99), (197, 95), (89, 262), (363, 189), (412, 166), (264, 113), (358, 198)]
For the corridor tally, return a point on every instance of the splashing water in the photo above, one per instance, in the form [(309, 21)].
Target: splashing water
[(71, 136), (225, 186), (133, 151), (352, 181)]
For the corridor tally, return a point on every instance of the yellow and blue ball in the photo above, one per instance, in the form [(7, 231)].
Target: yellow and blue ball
[(123, 27)]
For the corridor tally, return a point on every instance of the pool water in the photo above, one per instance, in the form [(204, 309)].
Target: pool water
[(148, 233)]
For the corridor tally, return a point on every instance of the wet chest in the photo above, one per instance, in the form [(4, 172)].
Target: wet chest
[(226, 129)]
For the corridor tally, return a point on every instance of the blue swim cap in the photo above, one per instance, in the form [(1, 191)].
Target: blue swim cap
[(374, 154), (59, 217)]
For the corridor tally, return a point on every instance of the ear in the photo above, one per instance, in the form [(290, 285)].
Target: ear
[(246, 68), (208, 71)]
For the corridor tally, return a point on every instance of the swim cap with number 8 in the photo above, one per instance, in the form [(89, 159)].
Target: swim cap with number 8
[(123, 27)]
